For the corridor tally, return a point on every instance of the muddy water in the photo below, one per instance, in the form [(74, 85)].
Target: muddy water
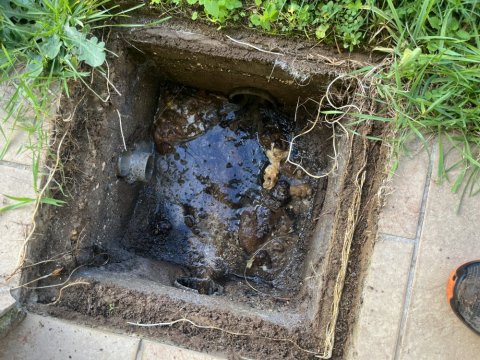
[(206, 209)]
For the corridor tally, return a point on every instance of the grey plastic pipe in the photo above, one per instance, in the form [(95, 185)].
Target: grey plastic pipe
[(136, 165)]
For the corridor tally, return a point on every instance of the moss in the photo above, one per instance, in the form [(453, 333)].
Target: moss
[(11, 318)]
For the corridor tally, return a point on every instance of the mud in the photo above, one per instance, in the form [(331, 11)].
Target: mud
[(206, 221), (207, 211)]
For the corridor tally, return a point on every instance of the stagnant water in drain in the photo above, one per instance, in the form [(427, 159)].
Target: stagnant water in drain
[(209, 207)]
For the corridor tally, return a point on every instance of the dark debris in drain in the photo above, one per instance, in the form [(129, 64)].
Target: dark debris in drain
[(223, 202)]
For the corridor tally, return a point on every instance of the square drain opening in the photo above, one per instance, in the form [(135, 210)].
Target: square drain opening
[(208, 236), (224, 205)]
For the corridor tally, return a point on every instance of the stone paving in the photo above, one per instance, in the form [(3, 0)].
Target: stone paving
[(39, 337), (421, 239), (404, 314)]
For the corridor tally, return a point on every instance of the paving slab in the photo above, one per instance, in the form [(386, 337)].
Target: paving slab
[(400, 213), (376, 331), (45, 338), (11, 133), (15, 181), (447, 240), (150, 350)]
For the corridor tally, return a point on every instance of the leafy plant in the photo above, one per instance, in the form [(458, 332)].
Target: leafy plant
[(267, 14), (217, 11), (341, 21), (43, 45)]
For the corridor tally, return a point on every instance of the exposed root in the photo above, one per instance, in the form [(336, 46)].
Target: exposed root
[(249, 264), (38, 201), (55, 272), (333, 119), (121, 129), (235, 333), (364, 93), (67, 286), (52, 259), (109, 83), (351, 63), (253, 46), (63, 284), (334, 166), (353, 213)]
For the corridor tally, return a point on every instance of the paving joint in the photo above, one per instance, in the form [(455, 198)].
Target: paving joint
[(389, 237), (139, 354), (14, 165), (413, 264)]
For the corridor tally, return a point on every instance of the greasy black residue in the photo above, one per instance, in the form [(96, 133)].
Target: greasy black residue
[(206, 209)]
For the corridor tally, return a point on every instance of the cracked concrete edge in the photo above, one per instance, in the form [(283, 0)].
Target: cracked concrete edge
[(10, 313)]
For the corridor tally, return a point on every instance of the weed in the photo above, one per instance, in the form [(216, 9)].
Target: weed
[(432, 84), (217, 11), (22, 201), (43, 45), (329, 21), (111, 309)]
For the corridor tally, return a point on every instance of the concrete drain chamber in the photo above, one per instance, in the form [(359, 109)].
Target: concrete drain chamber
[(189, 202)]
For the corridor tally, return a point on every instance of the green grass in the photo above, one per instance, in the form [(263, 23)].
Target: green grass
[(343, 23), (433, 83), (429, 82), (44, 45)]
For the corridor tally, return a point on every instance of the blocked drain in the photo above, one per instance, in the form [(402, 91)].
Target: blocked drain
[(222, 206), (224, 244)]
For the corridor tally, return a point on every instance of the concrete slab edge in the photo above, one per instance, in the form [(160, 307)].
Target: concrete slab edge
[(411, 275), (10, 317)]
